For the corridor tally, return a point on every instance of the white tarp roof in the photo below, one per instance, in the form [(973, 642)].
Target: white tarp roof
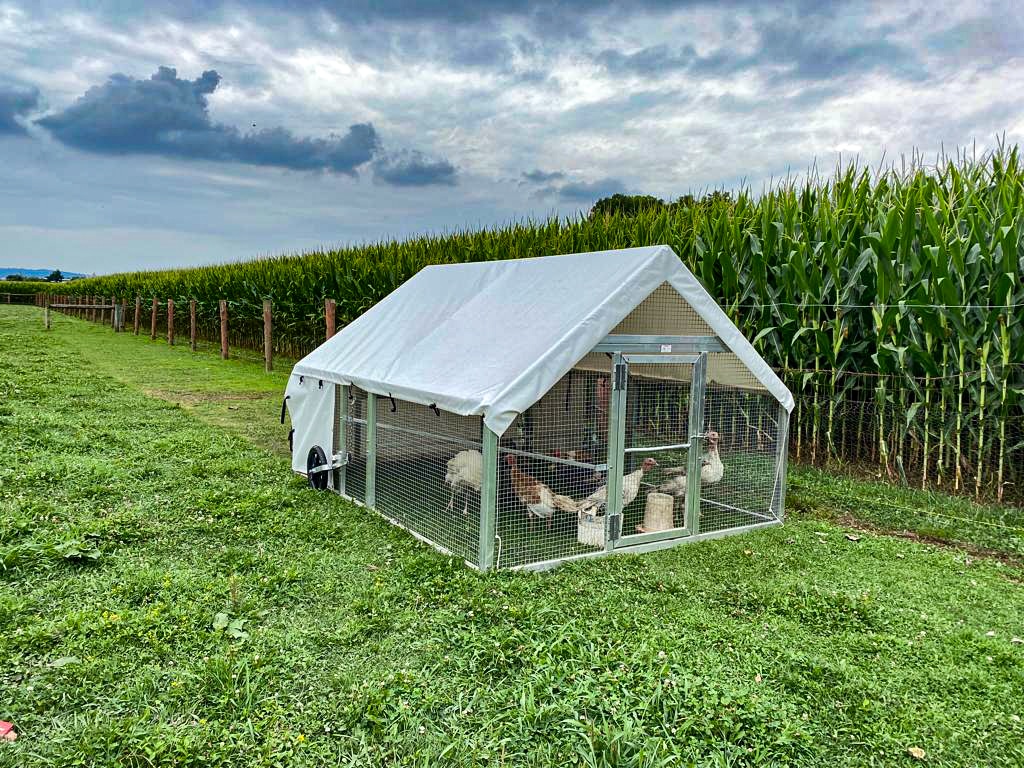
[(490, 338)]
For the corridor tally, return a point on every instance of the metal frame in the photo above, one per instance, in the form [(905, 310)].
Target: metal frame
[(662, 359), (616, 447), (625, 343), (779, 499), (647, 546), (371, 450), (341, 392), (488, 500), (696, 430)]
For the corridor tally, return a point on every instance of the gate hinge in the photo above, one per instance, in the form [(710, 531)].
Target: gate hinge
[(619, 380), (614, 527)]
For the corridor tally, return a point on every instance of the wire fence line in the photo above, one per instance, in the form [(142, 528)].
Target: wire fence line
[(940, 442), (906, 304), (931, 431)]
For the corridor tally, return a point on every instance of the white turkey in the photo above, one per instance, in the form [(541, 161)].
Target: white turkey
[(711, 470), (465, 471), (596, 502)]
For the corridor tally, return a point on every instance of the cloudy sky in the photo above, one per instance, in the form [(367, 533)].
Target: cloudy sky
[(195, 132)]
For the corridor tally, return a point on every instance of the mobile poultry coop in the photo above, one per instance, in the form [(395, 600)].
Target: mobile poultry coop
[(521, 413)]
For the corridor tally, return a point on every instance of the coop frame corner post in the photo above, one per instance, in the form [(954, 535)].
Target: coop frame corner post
[(341, 392), (698, 387), (488, 500), (616, 450), (782, 458), (371, 450)]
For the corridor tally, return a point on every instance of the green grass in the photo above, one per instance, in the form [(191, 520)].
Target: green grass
[(171, 595)]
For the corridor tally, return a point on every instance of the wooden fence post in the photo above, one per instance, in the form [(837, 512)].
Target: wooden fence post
[(46, 313), (138, 315), (192, 324), (329, 314), (102, 310), (152, 321), (113, 312), (268, 341), (170, 322), (92, 308), (223, 329)]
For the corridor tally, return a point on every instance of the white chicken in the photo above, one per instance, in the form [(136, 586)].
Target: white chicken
[(595, 503), (711, 470), (465, 471)]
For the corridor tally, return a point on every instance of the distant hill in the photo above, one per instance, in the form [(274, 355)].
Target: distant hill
[(34, 274)]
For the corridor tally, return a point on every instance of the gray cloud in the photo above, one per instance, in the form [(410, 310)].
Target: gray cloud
[(786, 43), (573, 191), (411, 168), (589, 191), (537, 176), (988, 40), (169, 116), (446, 11), (648, 61), (16, 102)]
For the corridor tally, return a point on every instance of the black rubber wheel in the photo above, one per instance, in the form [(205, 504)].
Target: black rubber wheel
[(317, 458)]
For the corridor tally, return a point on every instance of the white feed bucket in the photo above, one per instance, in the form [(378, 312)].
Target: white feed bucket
[(658, 514)]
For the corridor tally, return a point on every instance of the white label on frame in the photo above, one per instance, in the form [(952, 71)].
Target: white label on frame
[(666, 347)]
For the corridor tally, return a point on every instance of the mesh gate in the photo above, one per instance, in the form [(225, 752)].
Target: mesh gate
[(657, 427)]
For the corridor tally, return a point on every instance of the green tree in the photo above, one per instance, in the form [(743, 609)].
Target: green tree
[(625, 205), (55, 277)]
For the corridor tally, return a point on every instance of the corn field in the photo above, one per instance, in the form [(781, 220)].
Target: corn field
[(890, 301)]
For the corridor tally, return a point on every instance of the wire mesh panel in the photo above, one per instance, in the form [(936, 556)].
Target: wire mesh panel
[(665, 311), (429, 473), (742, 453), (550, 462), (355, 444)]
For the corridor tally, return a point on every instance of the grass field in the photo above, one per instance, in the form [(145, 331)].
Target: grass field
[(171, 595)]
